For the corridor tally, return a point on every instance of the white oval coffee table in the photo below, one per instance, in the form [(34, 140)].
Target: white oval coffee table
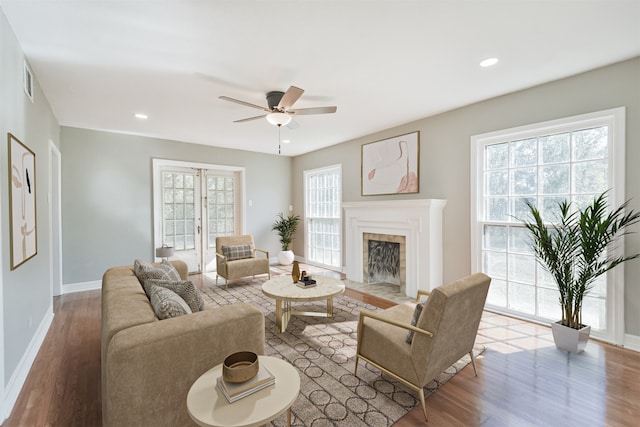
[(285, 292), (208, 407)]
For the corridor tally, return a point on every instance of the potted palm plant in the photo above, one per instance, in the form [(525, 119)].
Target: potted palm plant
[(575, 252), (286, 229)]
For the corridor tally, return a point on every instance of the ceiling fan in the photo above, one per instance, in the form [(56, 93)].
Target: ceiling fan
[(280, 112)]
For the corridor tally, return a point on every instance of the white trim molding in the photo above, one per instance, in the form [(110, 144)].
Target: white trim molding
[(17, 380), (632, 342), (81, 286), (55, 219)]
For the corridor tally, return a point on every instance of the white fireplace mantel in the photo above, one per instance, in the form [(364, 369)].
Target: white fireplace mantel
[(419, 220)]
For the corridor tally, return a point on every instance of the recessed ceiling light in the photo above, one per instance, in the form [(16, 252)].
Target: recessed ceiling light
[(141, 116), (489, 62), (286, 141)]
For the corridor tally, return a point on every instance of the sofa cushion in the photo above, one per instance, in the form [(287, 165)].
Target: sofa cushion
[(166, 303), (233, 252), (414, 320), (164, 271), (184, 288)]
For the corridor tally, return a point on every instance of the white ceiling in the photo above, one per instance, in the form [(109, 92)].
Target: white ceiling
[(383, 63)]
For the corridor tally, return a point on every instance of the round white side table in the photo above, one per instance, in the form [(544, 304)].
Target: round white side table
[(209, 408)]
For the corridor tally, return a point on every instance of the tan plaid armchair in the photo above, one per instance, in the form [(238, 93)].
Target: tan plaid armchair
[(236, 256)]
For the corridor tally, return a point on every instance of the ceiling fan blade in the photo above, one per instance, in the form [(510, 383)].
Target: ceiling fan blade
[(290, 97), (313, 110), (248, 104), (248, 119)]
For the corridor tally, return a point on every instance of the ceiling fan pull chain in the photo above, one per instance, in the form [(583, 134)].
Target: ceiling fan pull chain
[(279, 126)]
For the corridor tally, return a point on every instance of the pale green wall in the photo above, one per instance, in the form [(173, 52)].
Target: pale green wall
[(107, 200), (26, 295), (445, 156)]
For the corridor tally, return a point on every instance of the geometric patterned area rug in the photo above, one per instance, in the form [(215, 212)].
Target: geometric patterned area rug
[(323, 352)]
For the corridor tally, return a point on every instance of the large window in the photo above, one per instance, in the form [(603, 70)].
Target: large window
[(323, 219), (571, 159)]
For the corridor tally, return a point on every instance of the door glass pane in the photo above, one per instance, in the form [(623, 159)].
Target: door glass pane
[(221, 207), (176, 208)]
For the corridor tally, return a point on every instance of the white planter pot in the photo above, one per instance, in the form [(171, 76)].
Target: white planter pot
[(285, 257), (569, 339)]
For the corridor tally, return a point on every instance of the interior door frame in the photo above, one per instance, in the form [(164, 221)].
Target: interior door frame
[(158, 164), (55, 218)]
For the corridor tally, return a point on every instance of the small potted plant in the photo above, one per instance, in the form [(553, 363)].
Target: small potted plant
[(575, 252), (286, 229)]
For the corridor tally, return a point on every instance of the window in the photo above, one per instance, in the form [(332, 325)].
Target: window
[(323, 219), (574, 159)]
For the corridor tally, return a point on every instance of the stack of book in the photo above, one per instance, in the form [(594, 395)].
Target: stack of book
[(306, 283), (236, 391)]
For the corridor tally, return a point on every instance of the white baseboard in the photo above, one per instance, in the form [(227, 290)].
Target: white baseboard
[(632, 342), (19, 376), (82, 286)]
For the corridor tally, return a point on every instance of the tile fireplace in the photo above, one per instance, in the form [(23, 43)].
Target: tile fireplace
[(417, 221)]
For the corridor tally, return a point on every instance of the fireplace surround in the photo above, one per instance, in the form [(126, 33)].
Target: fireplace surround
[(418, 220)]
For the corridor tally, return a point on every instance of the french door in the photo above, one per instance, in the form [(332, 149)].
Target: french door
[(194, 205)]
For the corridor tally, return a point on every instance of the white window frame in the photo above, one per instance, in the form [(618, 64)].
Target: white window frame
[(615, 120), (306, 175)]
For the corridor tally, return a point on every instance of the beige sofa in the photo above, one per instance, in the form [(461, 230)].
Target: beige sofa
[(148, 365)]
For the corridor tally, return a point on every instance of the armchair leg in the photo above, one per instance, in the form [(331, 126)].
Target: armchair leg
[(424, 406), (216, 279), (355, 370), (473, 362)]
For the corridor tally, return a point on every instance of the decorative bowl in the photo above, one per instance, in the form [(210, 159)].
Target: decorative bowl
[(240, 367)]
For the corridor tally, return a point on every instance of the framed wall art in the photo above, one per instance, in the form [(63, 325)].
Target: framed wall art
[(22, 202), (391, 166)]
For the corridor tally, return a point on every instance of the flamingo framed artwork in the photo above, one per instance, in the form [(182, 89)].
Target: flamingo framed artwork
[(391, 166)]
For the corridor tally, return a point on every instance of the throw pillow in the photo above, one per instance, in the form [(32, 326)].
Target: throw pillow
[(233, 252), (164, 271), (184, 288), (414, 321), (166, 303)]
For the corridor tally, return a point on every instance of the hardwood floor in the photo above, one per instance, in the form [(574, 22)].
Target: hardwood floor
[(63, 386), (523, 380)]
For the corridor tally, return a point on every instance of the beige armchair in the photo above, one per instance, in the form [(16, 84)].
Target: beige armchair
[(236, 257), (444, 332)]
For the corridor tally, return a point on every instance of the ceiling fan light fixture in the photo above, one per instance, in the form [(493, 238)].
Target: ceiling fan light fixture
[(278, 119)]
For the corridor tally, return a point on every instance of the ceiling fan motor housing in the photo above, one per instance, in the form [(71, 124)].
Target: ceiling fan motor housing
[(273, 98)]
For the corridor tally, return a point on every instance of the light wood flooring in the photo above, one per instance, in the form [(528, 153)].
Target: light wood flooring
[(523, 380)]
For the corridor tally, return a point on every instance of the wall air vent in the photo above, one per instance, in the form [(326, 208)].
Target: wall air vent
[(28, 81)]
